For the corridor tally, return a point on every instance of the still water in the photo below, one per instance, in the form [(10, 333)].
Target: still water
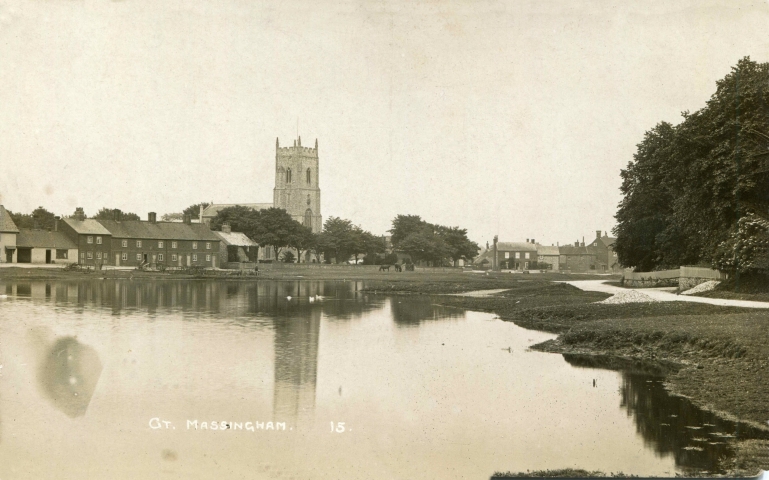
[(205, 379)]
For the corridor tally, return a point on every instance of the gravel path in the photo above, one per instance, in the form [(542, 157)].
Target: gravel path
[(631, 296), (662, 295), (702, 287)]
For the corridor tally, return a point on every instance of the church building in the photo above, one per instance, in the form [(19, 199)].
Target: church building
[(297, 189)]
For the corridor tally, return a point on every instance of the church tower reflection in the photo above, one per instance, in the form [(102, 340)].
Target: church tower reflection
[(296, 366)]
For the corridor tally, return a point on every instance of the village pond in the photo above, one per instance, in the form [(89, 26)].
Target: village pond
[(314, 379)]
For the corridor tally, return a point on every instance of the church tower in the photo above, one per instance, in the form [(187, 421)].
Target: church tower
[(296, 183)]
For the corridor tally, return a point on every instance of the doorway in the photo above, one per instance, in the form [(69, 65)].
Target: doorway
[(47, 256), (8, 255)]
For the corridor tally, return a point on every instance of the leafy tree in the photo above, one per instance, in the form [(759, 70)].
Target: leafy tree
[(336, 240), (689, 185), (405, 225), (301, 239), (39, 218), (115, 213), (172, 217), (275, 228), (458, 244), (288, 256), (195, 210)]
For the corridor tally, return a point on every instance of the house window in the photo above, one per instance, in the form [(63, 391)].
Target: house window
[(195, 258), (139, 256), (82, 255), (90, 239), (173, 244), (526, 265), (61, 254), (208, 245), (125, 244), (98, 255), (160, 257), (173, 257), (138, 244), (194, 245), (507, 254), (208, 258), (517, 254), (309, 181), (124, 256), (90, 255), (98, 240), (527, 254), (160, 244)]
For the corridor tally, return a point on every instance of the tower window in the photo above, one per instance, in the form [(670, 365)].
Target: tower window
[(309, 178), (288, 175), (308, 218)]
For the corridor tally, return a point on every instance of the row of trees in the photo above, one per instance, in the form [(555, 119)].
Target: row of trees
[(430, 242), (44, 219), (698, 192)]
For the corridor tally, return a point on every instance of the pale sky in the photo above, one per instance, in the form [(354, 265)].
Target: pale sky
[(502, 117)]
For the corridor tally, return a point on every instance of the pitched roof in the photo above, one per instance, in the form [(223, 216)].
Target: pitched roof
[(545, 250), (213, 209), (516, 246), (572, 250), (89, 226), (236, 238), (28, 238), (161, 230), (6, 222), (608, 241)]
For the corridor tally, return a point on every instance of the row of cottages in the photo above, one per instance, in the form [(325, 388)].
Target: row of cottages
[(115, 242), (598, 256)]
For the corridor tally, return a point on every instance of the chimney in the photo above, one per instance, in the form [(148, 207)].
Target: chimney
[(597, 234), (527, 240), (299, 142), (532, 241), (56, 223), (226, 228), (495, 265), (605, 234), (187, 218), (316, 144), (277, 143), (576, 244), (79, 214)]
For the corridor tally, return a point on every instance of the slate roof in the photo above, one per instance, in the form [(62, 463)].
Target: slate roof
[(6, 222), (608, 241), (28, 238), (236, 238), (515, 246), (140, 229), (213, 209), (89, 226), (572, 250), (545, 250)]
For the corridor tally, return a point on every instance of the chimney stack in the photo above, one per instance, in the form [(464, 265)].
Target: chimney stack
[(597, 234), (533, 242), (152, 217), (56, 223), (527, 240), (187, 218), (226, 228), (79, 214)]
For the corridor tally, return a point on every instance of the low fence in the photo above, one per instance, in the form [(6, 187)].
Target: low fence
[(684, 277)]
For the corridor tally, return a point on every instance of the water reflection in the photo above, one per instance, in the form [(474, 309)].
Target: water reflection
[(410, 312), (670, 425), (68, 375)]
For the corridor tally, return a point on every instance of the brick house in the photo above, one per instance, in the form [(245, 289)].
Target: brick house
[(577, 257), (91, 239), (173, 244), (605, 256), (517, 255), (548, 257)]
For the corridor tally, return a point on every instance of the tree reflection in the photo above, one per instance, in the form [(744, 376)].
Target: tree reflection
[(670, 425)]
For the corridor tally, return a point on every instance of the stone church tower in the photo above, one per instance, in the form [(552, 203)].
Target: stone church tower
[(296, 183)]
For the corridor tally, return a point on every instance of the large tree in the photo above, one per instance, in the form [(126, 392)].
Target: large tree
[(39, 218), (275, 228), (195, 210), (114, 214), (689, 185)]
